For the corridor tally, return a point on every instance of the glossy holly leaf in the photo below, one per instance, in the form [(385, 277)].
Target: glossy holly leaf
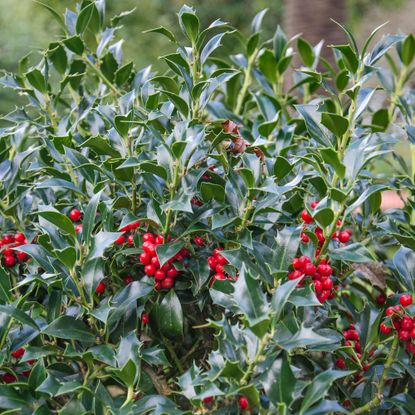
[(5, 287), (19, 315), (170, 316), (279, 382), (189, 23), (101, 242), (11, 399), (404, 263), (163, 31), (168, 250), (320, 386), (281, 296), (251, 301), (304, 337), (285, 249), (93, 271), (58, 219), (89, 218), (306, 52), (337, 124), (355, 252), (67, 327), (371, 190), (330, 156)]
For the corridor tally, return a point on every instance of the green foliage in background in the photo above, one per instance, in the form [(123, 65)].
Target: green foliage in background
[(206, 239)]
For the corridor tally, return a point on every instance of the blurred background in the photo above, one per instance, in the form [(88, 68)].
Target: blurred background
[(26, 27)]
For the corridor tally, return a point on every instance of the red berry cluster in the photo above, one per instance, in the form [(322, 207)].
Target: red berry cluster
[(352, 338), (165, 275), (11, 257), (216, 263), (17, 355), (128, 234), (402, 322), (341, 236), (320, 275), (75, 216)]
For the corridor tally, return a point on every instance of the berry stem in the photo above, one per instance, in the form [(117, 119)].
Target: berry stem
[(377, 400)]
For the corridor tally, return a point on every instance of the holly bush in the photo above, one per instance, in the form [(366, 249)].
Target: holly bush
[(210, 239)]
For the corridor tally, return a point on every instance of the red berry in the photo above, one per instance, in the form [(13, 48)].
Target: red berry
[(8, 252), (219, 268), (78, 228), (130, 240), (306, 217), (19, 237), (304, 260), (221, 260), (198, 241), (404, 335), (18, 353), (310, 269), (357, 347), (381, 299), (390, 311), (243, 402), (134, 225), (325, 294), (120, 240), (212, 263), (157, 286), (149, 237), (128, 279), (8, 239), (340, 363), (216, 252), (217, 277), (9, 261), (314, 204), (149, 269), (155, 261), (207, 399), (145, 319), (318, 287), (294, 275), (75, 215), (22, 256), (149, 248), (145, 258), (159, 240), (396, 322), (327, 283), (172, 272), (167, 283), (405, 300), (324, 270), (320, 236), (353, 335), (412, 333), (100, 288), (344, 237), (305, 238), (296, 263), (9, 378), (159, 275), (406, 323)]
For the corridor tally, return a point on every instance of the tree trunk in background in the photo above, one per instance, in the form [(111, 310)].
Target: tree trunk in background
[(312, 19)]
